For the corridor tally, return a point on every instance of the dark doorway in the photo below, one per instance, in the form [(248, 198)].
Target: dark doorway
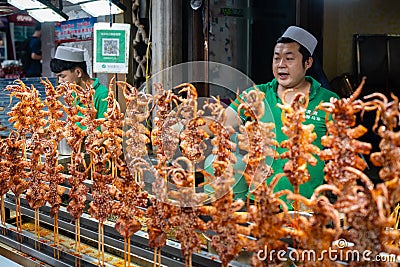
[(269, 21)]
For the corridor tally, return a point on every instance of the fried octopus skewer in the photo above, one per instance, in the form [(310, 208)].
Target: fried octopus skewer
[(300, 151), (137, 113), (74, 136), (342, 147), (186, 217), (161, 209), (29, 120), (368, 222), (388, 113), (16, 170), (230, 237), (323, 213), (258, 139)]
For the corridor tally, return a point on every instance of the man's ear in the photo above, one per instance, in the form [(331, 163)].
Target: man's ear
[(308, 63), (78, 72)]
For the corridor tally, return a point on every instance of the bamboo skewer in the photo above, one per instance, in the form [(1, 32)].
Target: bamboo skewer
[(98, 245), (129, 251), (125, 244), (3, 214), (19, 218), (56, 241), (92, 170), (102, 242), (155, 257), (77, 241), (37, 228), (77, 236)]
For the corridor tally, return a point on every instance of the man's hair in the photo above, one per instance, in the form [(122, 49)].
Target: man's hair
[(303, 51), (38, 26), (59, 65)]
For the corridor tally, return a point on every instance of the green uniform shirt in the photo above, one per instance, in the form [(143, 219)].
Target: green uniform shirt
[(100, 94), (317, 95)]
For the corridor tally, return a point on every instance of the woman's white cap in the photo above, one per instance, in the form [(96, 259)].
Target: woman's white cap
[(301, 36), (68, 53)]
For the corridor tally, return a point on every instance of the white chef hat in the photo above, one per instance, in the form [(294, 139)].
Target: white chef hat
[(68, 53), (301, 36)]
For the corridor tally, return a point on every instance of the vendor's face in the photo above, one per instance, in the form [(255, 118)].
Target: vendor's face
[(287, 65), (68, 76)]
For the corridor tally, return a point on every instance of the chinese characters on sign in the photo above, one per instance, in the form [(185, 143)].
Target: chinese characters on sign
[(75, 30)]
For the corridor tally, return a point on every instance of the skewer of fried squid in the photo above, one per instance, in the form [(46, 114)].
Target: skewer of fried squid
[(37, 217), (191, 98), (157, 251)]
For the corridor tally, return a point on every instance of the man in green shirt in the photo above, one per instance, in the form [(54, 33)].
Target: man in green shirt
[(69, 66), (291, 60)]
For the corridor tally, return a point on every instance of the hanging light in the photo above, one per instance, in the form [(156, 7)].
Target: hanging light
[(98, 8), (76, 1), (47, 15), (26, 4), (41, 10), (103, 7)]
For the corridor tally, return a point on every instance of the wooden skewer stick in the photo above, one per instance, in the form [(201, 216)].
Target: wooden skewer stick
[(129, 251), (55, 237), (102, 243), (125, 244), (155, 257), (159, 257), (3, 214), (98, 245)]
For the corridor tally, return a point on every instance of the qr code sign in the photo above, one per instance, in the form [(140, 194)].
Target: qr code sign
[(110, 47)]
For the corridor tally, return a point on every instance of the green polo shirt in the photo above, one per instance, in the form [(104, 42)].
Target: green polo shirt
[(100, 94), (273, 113)]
